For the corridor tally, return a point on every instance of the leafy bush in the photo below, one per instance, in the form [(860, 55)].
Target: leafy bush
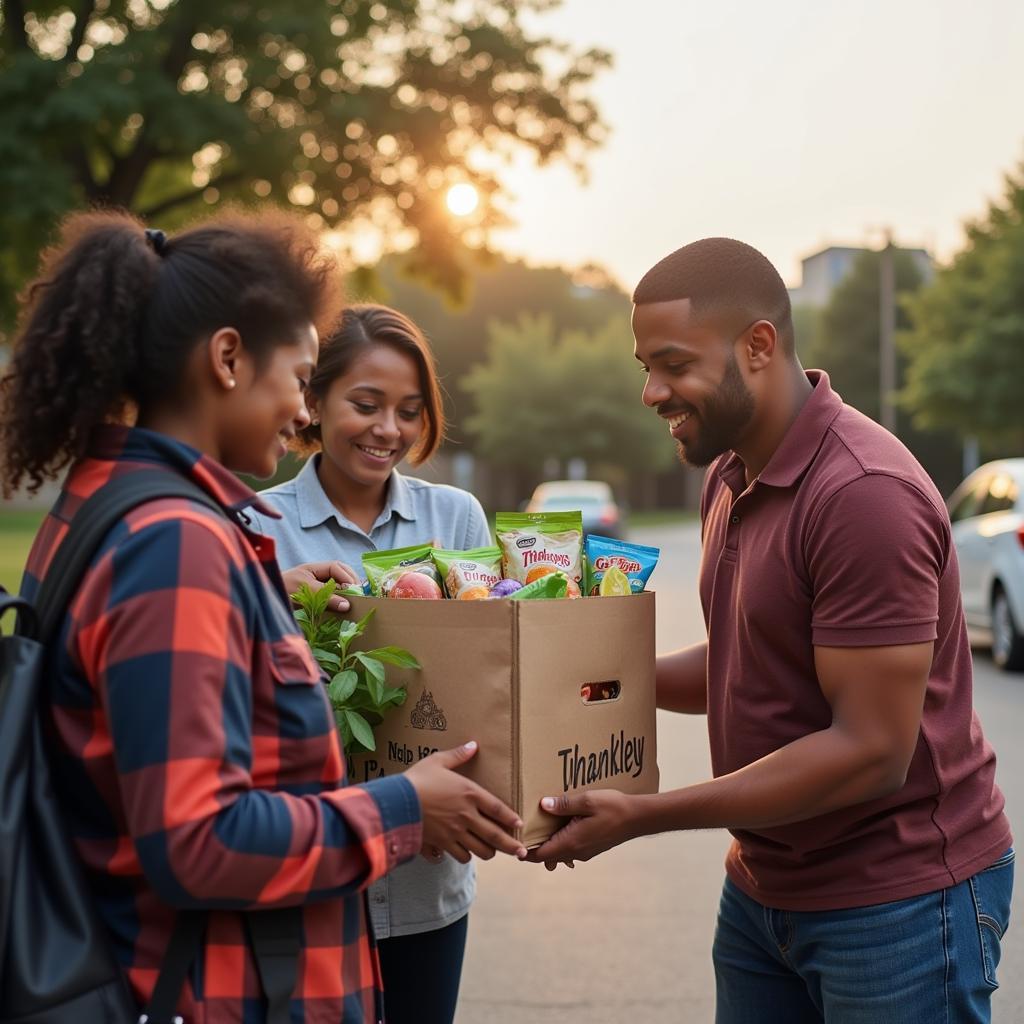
[(357, 687)]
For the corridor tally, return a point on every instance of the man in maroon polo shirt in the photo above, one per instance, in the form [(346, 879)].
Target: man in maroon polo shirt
[(870, 875)]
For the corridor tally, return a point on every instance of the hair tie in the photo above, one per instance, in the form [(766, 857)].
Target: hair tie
[(157, 239)]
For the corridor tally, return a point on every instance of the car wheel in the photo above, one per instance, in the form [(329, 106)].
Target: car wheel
[(1007, 641)]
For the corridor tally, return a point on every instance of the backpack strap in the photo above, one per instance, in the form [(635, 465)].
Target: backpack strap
[(28, 624), (178, 957), (97, 517), (276, 939)]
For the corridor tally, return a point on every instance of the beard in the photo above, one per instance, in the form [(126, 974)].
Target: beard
[(722, 421)]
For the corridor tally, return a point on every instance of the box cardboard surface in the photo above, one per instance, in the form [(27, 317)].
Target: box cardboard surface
[(509, 675)]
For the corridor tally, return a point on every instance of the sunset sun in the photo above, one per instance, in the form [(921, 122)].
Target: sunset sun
[(462, 199)]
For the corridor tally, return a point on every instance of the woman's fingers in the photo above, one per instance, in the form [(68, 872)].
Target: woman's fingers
[(459, 852), (344, 574), (477, 846), (315, 574), (498, 839), (499, 812)]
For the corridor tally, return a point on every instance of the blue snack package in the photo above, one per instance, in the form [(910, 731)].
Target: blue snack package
[(636, 561)]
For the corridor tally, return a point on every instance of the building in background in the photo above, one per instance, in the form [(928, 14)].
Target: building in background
[(824, 271)]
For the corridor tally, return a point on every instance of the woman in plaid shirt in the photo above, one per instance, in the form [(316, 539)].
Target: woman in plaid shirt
[(194, 749)]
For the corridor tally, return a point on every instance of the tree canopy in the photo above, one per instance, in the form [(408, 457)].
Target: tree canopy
[(845, 341), (501, 290), (359, 113), (965, 350), (542, 395)]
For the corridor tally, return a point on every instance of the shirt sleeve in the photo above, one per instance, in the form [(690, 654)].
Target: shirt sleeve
[(875, 553), (166, 635), (478, 530)]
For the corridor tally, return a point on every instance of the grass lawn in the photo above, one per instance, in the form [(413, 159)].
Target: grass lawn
[(17, 529)]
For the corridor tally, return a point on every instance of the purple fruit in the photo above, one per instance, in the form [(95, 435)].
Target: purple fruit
[(505, 587)]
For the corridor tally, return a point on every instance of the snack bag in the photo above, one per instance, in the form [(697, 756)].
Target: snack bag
[(550, 586), (616, 568), (469, 575), (403, 573), (535, 544)]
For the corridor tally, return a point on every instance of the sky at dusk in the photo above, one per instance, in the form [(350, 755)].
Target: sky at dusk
[(791, 125)]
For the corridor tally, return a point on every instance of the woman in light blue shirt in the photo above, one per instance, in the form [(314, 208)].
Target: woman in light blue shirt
[(375, 400)]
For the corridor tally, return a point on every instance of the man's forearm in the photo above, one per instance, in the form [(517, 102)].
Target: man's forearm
[(814, 775), (682, 680)]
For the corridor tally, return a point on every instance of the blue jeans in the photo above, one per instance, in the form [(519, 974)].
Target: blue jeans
[(930, 958)]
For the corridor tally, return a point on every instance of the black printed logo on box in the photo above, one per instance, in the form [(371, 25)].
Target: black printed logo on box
[(427, 715)]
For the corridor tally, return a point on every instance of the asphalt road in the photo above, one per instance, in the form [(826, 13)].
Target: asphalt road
[(626, 938)]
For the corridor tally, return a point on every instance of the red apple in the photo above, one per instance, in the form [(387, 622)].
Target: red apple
[(415, 586)]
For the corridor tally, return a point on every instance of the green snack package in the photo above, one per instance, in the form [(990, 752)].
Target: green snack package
[(469, 575), (535, 544), (611, 563), (403, 573), (547, 587)]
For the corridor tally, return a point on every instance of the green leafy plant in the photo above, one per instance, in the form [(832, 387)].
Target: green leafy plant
[(358, 688)]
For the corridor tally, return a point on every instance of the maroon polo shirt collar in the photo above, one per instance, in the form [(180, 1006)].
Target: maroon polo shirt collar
[(801, 442)]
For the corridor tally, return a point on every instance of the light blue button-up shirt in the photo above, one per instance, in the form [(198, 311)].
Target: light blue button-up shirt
[(418, 896)]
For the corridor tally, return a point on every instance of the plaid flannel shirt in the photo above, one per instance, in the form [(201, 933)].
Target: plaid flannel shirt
[(195, 752)]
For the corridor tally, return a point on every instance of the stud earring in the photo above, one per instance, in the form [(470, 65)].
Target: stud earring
[(231, 383), (316, 422)]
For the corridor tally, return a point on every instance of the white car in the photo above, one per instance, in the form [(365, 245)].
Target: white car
[(594, 498), (987, 513)]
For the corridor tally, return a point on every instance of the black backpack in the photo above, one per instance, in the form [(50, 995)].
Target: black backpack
[(56, 962)]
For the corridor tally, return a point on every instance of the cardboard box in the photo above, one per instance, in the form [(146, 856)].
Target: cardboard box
[(510, 674)]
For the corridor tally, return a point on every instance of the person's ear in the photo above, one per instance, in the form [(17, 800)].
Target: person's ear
[(313, 405), (225, 352), (761, 342)]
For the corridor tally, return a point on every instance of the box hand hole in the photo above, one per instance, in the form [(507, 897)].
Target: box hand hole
[(596, 693)]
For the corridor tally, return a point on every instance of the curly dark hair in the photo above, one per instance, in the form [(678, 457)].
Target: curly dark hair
[(362, 326), (110, 319)]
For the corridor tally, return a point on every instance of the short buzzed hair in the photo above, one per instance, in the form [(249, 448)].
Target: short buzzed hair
[(722, 277)]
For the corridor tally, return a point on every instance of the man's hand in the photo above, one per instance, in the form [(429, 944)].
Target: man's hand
[(599, 820), (316, 574), (461, 818)]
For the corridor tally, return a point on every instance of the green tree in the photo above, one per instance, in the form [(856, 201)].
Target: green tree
[(359, 113), (846, 343), (807, 327), (966, 346), (540, 395), (498, 290), (847, 340)]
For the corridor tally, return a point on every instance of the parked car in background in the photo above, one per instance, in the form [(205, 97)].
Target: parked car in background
[(987, 513), (594, 498)]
